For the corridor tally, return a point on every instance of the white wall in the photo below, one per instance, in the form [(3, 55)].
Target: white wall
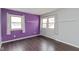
[(67, 30)]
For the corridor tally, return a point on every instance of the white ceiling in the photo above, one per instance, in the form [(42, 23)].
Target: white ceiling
[(37, 11)]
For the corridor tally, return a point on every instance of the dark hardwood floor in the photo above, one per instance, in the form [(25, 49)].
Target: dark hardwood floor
[(39, 43)]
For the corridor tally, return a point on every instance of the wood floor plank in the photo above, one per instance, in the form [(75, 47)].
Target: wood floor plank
[(39, 43)]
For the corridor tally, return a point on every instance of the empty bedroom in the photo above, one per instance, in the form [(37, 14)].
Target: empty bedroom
[(39, 29)]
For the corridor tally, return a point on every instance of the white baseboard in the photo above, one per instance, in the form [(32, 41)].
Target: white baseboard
[(68, 43), (63, 42), (37, 35), (19, 38)]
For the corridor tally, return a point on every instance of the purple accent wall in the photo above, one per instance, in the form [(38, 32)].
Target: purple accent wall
[(32, 25), (0, 24)]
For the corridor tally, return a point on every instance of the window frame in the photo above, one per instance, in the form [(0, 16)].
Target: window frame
[(11, 22), (51, 22), (8, 32), (47, 17), (55, 30), (44, 23)]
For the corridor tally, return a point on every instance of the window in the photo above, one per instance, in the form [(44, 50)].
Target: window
[(51, 22), (48, 22), (16, 23), (44, 22)]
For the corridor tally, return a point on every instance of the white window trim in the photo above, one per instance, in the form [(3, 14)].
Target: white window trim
[(9, 23), (23, 24), (44, 23), (55, 24), (47, 17), (49, 23)]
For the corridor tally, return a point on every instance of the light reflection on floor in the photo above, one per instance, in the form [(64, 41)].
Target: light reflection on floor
[(45, 46)]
